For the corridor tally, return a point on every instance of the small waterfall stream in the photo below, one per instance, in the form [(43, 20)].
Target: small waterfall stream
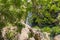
[(28, 19), (38, 35)]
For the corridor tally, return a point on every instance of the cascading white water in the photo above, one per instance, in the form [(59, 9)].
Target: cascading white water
[(28, 19)]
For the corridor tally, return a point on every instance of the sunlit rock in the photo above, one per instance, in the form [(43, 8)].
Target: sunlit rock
[(46, 36), (57, 37), (32, 38), (9, 30), (24, 34)]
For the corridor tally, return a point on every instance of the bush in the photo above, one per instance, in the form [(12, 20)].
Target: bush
[(56, 30), (36, 27), (46, 29)]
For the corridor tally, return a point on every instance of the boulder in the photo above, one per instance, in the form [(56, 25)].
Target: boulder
[(57, 37), (46, 36), (6, 30), (24, 34), (31, 38)]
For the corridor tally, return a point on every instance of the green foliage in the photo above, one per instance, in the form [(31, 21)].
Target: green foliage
[(12, 11), (45, 12), (30, 35), (56, 30), (46, 29), (36, 27), (10, 35), (19, 26), (1, 25)]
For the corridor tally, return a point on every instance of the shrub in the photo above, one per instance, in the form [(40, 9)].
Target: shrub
[(46, 29)]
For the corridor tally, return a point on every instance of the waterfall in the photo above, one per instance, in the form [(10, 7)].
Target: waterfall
[(28, 19)]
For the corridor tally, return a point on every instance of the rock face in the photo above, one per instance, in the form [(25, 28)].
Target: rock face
[(57, 37), (24, 35), (9, 31), (46, 36), (37, 34)]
